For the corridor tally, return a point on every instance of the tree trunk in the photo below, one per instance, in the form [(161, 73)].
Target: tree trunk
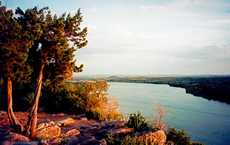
[(32, 119), (2, 95), (13, 120)]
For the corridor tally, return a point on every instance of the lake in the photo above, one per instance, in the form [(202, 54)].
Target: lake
[(206, 121)]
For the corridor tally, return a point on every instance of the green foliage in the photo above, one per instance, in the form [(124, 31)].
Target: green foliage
[(112, 140), (174, 137), (137, 121), (14, 47), (180, 137), (35, 37), (94, 115), (63, 99), (125, 140), (132, 141), (96, 101), (88, 97), (23, 96), (55, 41)]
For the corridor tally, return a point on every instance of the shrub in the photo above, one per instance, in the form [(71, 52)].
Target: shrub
[(123, 140), (89, 97), (158, 121), (104, 109), (137, 122), (94, 115), (127, 140), (178, 137), (63, 100), (98, 104), (112, 140), (132, 141), (23, 96)]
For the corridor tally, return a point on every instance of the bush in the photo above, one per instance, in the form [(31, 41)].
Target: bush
[(94, 115), (98, 104), (62, 100), (178, 137), (158, 122), (132, 141), (112, 140), (89, 97), (127, 140), (123, 140), (104, 109), (137, 122), (23, 97)]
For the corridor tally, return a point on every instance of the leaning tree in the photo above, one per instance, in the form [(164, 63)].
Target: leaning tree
[(14, 47), (55, 40)]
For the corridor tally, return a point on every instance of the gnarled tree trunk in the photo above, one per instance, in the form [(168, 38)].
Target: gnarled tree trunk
[(13, 120), (32, 119), (2, 95)]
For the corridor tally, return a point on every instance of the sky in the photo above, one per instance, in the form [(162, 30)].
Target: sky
[(147, 37)]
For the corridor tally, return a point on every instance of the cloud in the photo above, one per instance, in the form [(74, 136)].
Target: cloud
[(169, 37), (146, 36)]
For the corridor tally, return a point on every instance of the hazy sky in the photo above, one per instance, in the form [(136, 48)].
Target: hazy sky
[(150, 36)]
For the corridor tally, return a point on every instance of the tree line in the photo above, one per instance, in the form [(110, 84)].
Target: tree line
[(38, 48)]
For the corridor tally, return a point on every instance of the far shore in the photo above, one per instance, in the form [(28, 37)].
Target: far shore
[(211, 87)]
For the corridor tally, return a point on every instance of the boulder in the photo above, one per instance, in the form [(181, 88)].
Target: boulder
[(85, 140), (122, 131), (83, 119), (67, 122), (93, 141), (158, 137), (17, 137), (59, 114), (79, 140), (45, 125), (72, 133), (113, 124), (48, 132)]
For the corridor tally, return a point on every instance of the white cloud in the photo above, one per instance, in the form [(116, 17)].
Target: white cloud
[(151, 37), (174, 37)]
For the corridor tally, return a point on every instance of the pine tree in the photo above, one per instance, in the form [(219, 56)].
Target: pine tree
[(14, 47), (55, 40)]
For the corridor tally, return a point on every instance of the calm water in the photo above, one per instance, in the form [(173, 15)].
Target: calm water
[(206, 121)]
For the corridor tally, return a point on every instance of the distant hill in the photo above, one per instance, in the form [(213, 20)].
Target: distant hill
[(212, 87)]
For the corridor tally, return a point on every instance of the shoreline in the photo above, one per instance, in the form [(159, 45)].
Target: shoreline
[(211, 88), (170, 85)]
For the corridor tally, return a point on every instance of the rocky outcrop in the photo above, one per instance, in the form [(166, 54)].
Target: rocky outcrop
[(51, 130), (86, 140), (48, 131), (122, 131), (158, 137), (21, 143), (15, 137), (72, 133), (75, 130), (66, 122), (112, 128)]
